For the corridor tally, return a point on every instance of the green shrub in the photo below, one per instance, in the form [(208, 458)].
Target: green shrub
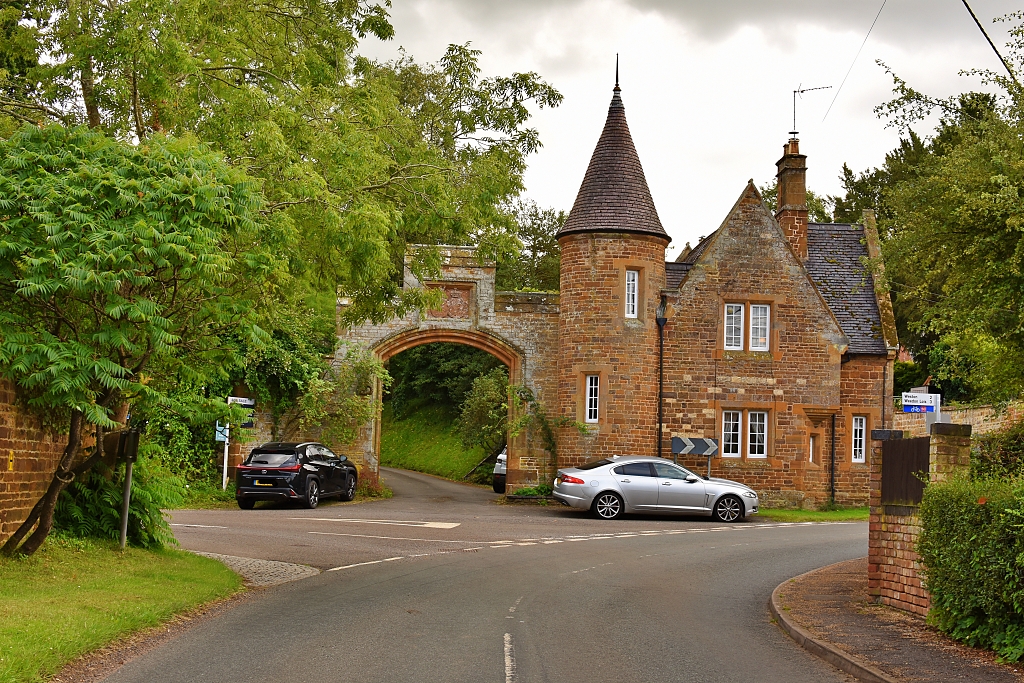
[(972, 547), (999, 454), (91, 506), (538, 490)]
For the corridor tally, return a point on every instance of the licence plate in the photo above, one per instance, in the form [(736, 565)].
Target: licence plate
[(257, 482)]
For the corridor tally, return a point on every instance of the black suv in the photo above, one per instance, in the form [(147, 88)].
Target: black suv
[(294, 471)]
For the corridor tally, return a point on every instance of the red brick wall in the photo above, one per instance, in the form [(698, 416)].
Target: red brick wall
[(894, 568), (36, 453), (595, 337)]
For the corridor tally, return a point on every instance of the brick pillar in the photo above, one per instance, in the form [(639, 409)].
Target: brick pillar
[(877, 556), (949, 450), (894, 570)]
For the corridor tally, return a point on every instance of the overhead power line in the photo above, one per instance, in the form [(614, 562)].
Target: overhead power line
[(855, 59), (994, 49)]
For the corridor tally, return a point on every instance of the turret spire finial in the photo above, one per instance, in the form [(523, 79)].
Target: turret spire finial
[(616, 70)]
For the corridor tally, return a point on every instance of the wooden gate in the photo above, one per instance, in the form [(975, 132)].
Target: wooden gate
[(904, 470)]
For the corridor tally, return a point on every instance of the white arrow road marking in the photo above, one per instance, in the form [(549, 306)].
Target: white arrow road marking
[(201, 526), (392, 522), (510, 660), (393, 538)]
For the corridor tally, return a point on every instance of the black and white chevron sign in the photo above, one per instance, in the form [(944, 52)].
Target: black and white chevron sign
[(694, 446)]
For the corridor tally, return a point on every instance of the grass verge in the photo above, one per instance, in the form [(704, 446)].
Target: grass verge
[(840, 515), (76, 595), (426, 441)]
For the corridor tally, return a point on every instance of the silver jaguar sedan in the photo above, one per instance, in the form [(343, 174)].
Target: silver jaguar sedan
[(614, 486)]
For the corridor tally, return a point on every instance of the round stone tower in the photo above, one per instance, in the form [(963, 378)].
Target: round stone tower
[(612, 275)]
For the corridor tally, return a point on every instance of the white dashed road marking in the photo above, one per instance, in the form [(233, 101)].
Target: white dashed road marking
[(510, 660), (494, 545), (201, 526), (391, 522)]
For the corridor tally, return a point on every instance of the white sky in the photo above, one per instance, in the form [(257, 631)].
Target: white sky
[(708, 84)]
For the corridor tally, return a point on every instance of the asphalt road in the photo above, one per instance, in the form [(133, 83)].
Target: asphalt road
[(440, 584)]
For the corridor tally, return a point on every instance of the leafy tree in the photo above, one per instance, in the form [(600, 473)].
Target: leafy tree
[(818, 208), (122, 271), (950, 208), (441, 373), (483, 420), (356, 158), (536, 266)]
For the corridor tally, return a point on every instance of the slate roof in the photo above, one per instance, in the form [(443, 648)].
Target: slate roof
[(675, 272), (614, 196), (834, 262)]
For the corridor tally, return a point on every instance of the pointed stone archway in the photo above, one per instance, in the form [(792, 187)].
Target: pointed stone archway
[(520, 329)]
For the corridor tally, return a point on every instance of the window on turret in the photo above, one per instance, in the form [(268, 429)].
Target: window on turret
[(734, 327), (593, 394), (632, 287)]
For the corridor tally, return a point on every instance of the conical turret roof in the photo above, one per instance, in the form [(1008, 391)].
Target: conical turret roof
[(614, 196)]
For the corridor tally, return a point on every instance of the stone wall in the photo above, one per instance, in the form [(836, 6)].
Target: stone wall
[(983, 419), (28, 458), (894, 569), (519, 329), (801, 381), (596, 338)]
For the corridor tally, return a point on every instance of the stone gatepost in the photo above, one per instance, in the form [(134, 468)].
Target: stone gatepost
[(894, 569)]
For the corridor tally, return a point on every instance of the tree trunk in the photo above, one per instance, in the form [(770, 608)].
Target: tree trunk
[(43, 510)]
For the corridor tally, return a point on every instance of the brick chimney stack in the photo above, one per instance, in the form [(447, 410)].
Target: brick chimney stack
[(791, 209)]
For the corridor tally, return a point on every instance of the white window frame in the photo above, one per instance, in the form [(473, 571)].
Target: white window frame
[(734, 322), (593, 406), (755, 328), (731, 427), (757, 447), (860, 428), (632, 292), (812, 447)]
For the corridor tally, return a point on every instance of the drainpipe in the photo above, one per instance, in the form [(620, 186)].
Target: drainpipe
[(832, 469), (661, 320)]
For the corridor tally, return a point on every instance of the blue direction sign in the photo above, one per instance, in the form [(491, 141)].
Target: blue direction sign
[(694, 446)]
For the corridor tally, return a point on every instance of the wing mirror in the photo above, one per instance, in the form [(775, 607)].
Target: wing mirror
[(691, 478)]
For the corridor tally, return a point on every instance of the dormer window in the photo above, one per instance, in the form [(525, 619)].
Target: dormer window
[(632, 289)]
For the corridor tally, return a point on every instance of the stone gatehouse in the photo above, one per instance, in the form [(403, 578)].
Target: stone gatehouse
[(777, 340)]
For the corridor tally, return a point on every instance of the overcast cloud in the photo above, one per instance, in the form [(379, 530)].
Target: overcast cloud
[(708, 84)]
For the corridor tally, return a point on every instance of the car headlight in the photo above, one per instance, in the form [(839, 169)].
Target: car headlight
[(750, 494)]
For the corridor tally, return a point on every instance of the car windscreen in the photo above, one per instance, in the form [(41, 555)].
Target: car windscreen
[(271, 459), (593, 465)]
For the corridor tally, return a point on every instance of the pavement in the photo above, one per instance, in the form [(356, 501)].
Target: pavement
[(441, 583), (829, 612)]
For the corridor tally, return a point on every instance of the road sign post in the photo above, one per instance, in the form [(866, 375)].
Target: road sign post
[(694, 446), (226, 430)]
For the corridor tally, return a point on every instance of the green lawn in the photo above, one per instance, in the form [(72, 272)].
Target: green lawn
[(426, 441), (843, 515), (74, 596)]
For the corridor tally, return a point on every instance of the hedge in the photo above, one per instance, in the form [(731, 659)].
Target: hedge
[(972, 548)]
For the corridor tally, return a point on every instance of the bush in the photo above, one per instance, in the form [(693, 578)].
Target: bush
[(999, 454), (972, 547), (91, 506)]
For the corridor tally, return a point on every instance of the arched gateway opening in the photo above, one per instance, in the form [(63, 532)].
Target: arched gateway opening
[(434, 373), (520, 329)]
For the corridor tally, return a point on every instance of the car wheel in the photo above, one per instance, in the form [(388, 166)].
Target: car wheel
[(350, 489), (729, 509), (246, 504), (608, 505), (498, 486), (312, 494)]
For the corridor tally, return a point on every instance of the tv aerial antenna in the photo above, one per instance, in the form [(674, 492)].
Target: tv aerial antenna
[(800, 90)]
